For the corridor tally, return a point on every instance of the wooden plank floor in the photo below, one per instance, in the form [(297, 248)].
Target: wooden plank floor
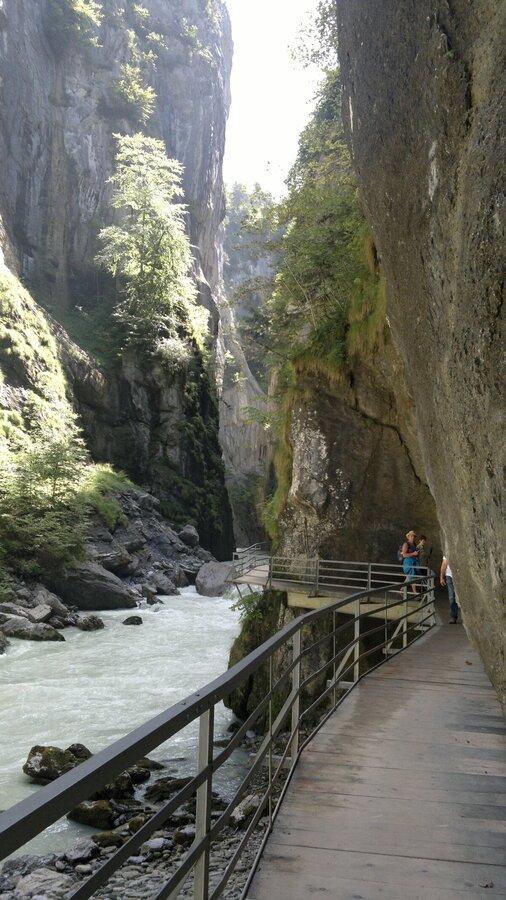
[(402, 794)]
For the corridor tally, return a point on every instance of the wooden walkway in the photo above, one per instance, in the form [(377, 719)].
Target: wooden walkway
[(402, 794)]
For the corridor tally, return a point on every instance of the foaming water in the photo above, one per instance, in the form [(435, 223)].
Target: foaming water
[(98, 686)]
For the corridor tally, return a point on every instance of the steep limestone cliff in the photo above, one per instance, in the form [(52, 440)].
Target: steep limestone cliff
[(423, 101), (60, 110), (357, 482)]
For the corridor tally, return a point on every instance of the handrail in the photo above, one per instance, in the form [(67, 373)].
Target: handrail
[(293, 693), (320, 575)]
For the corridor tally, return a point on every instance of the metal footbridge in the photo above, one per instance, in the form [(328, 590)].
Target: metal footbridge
[(378, 770)]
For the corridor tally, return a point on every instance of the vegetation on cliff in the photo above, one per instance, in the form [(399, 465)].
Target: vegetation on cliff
[(47, 481), (148, 253), (328, 300), (73, 23)]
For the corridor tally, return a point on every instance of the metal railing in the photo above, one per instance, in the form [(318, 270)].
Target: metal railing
[(251, 558), (319, 576), (325, 653)]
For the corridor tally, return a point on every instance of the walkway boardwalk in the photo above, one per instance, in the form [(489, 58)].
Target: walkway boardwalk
[(402, 794)]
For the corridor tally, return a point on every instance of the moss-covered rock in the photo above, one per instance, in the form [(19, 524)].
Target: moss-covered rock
[(45, 764), (95, 813)]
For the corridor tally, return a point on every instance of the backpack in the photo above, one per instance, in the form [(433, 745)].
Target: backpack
[(400, 557)]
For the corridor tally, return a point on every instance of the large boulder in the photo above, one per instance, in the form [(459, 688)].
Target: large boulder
[(41, 596), (95, 813), (164, 585), (45, 764), (189, 536), (12, 609), (19, 627), (213, 579), (40, 613), (89, 586), (44, 882)]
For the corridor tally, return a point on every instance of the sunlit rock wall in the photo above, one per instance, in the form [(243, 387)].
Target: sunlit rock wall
[(60, 110), (424, 93), (357, 479)]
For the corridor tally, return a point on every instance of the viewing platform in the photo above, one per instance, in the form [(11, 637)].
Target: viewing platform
[(314, 583)]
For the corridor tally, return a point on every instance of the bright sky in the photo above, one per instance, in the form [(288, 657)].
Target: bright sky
[(271, 94)]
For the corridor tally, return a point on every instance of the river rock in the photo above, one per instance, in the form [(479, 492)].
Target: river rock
[(163, 584), (96, 813), (81, 852), (184, 835), (40, 613), (213, 579), (189, 536), (245, 810), (180, 578), (114, 838), (148, 591), (4, 643), (120, 788), (19, 627), (12, 609), (138, 774), (89, 586), (132, 620), (45, 882), (89, 623), (151, 764), (41, 595), (45, 764), (80, 752), (164, 788), (117, 561)]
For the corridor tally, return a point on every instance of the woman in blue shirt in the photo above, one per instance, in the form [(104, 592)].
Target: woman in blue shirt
[(410, 559)]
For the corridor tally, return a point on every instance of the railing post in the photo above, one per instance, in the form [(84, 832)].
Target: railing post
[(270, 740), (296, 647), (334, 649), (317, 577), (356, 648), (385, 648), (204, 798), (369, 576), (405, 621)]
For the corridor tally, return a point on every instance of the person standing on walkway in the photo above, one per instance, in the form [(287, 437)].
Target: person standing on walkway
[(410, 559), (446, 580)]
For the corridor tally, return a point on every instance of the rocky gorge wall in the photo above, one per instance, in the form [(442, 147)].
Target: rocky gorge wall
[(423, 103), (60, 110), (356, 482)]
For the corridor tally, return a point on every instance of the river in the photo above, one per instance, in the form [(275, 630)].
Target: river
[(98, 686)]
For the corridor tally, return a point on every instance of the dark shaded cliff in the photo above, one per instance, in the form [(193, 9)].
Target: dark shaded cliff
[(424, 92), (158, 67)]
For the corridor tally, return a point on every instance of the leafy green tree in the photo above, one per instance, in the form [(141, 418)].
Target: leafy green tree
[(41, 508), (149, 254), (73, 22)]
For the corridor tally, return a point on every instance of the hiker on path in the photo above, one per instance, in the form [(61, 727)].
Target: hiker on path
[(446, 580), (410, 559)]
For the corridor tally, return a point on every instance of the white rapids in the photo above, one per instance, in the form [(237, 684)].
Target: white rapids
[(98, 686)]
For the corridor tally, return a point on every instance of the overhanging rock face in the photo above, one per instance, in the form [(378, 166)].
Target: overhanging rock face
[(423, 93)]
